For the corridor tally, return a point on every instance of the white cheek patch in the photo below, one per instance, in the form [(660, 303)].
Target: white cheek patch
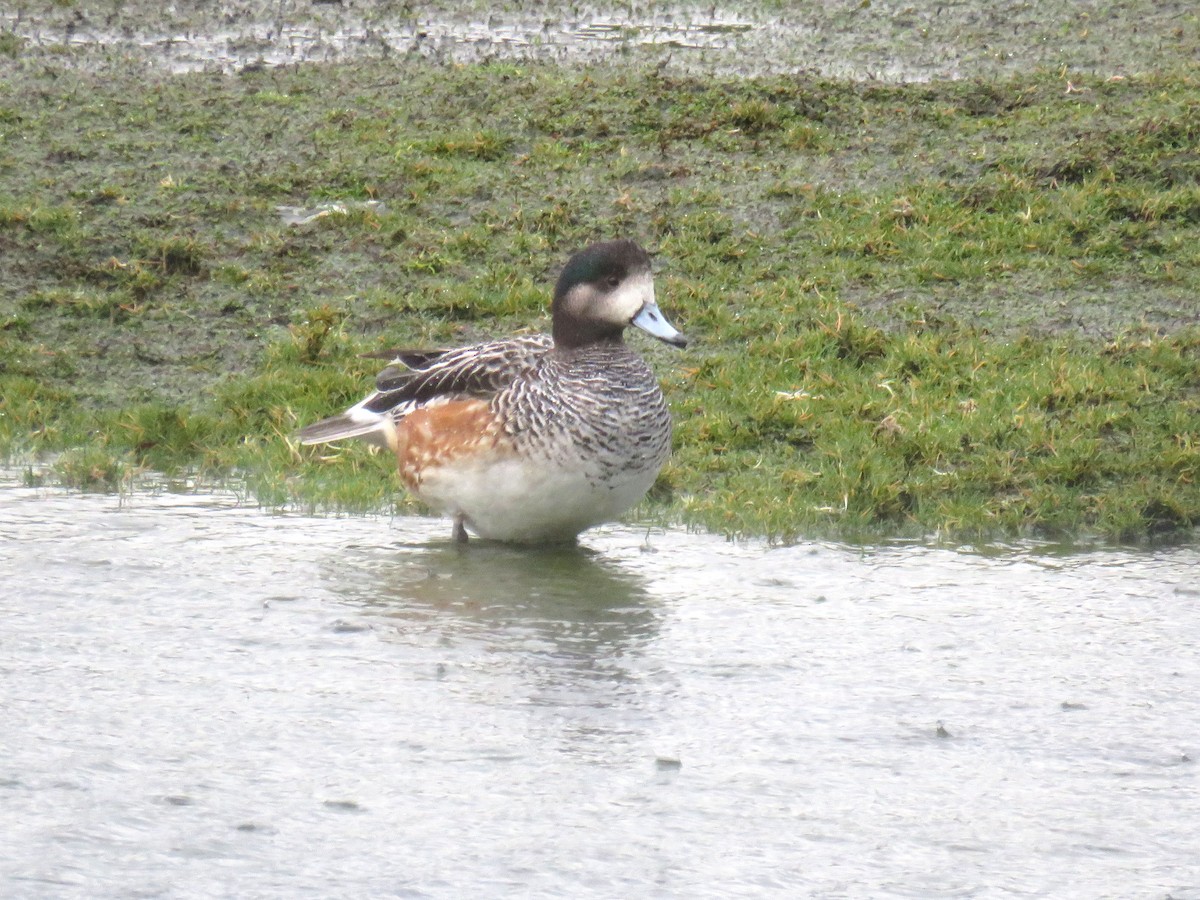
[(628, 299)]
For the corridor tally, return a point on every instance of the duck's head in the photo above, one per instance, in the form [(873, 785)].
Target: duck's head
[(602, 290)]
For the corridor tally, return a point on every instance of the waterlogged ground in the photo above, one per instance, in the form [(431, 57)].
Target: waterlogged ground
[(893, 41), (202, 699)]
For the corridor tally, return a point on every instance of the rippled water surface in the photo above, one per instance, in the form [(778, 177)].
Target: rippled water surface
[(200, 698)]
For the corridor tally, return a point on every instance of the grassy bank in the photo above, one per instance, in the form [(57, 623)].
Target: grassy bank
[(960, 307)]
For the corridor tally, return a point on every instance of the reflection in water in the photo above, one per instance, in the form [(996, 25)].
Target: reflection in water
[(584, 605), (566, 623)]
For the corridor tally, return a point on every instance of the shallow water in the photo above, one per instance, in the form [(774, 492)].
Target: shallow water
[(202, 698), (914, 40)]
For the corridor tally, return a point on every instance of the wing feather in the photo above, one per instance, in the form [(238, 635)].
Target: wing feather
[(418, 378), (481, 370)]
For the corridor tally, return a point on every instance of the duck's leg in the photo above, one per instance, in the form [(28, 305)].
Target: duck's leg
[(460, 529)]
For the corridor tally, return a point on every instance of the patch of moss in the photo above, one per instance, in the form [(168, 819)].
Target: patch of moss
[(964, 307)]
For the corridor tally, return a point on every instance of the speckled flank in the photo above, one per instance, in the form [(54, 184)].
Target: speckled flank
[(615, 424)]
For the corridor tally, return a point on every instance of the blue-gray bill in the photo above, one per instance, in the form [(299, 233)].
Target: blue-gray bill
[(651, 320)]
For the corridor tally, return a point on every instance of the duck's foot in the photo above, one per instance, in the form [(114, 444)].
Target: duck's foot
[(460, 530)]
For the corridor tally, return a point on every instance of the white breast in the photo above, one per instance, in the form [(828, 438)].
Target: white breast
[(517, 500)]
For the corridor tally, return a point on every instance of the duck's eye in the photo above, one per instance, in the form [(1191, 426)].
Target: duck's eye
[(612, 280)]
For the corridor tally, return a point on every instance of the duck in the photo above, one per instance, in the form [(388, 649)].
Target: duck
[(535, 438)]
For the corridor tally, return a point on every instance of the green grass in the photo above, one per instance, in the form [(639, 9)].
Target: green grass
[(942, 429), (959, 308)]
